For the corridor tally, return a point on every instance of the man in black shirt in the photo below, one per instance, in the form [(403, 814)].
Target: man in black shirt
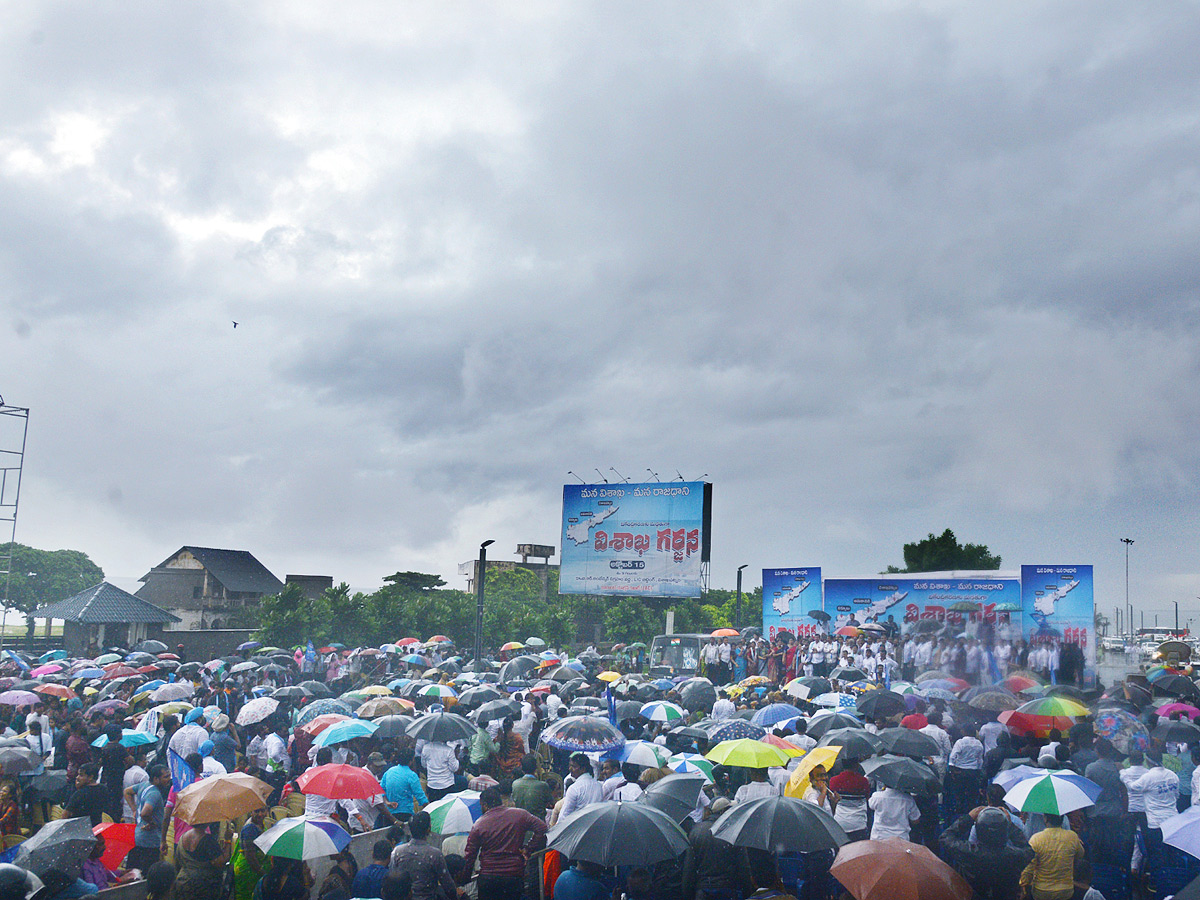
[(90, 798)]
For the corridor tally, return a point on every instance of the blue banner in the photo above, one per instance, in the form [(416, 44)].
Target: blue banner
[(1059, 604), (789, 595), (977, 602), (633, 539)]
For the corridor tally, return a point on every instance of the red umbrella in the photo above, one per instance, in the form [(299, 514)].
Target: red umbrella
[(55, 690), (1039, 726), (119, 672), (320, 723), (894, 869), (847, 631), (340, 782), (404, 642), (118, 841), (169, 656)]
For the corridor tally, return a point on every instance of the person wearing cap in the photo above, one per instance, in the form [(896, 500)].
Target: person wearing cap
[(190, 736), (226, 742), (210, 766)]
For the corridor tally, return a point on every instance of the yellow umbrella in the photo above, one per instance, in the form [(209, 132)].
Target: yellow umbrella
[(817, 756), (221, 797), (609, 676), (384, 706), (376, 689), (747, 752)]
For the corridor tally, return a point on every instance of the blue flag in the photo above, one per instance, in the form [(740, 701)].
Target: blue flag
[(612, 706), (181, 773), (20, 662)]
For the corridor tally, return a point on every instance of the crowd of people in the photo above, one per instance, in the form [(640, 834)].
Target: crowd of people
[(822, 701)]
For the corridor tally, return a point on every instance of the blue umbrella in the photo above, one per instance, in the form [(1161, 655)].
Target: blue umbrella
[(129, 738), (775, 713), (90, 673), (414, 660), (52, 655), (663, 684), (346, 730), (733, 730)]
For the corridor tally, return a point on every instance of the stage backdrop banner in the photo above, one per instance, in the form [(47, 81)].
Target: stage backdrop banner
[(635, 539), (1059, 602), (968, 599), (789, 595)]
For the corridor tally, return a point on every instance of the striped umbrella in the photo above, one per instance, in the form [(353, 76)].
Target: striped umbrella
[(454, 813), (775, 713), (1052, 793), (1053, 706), (662, 711), (691, 762), (641, 753), (345, 730), (304, 838), (437, 690)]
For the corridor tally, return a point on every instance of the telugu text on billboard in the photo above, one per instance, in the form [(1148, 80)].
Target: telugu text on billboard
[(633, 539), (789, 595), (1059, 603), (977, 602)]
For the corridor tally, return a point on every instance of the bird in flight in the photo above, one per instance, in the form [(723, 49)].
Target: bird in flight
[(235, 324)]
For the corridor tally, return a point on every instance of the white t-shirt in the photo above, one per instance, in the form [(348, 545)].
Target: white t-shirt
[(440, 765), (967, 754), (1137, 800), (134, 775), (754, 790), (894, 813), (1161, 789)]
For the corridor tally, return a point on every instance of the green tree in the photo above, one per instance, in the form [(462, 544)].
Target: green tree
[(350, 617), (630, 619), (414, 604), (289, 618), (40, 577), (942, 553)]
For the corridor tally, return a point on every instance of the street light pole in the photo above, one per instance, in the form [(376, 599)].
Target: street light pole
[(1176, 618), (738, 615), (1128, 542), (480, 576)]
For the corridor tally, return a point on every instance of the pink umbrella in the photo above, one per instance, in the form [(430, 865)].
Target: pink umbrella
[(48, 669), (19, 698), (1169, 709)]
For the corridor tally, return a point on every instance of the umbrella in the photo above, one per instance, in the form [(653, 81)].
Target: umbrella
[(1176, 685), (856, 743), (835, 700), (675, 795), (687, 763), (19, 698), (797, 782), (697, 693), (346, 730), (1176, 731), (1184, 709), (818, 725), (641, 753), (662, 711), (734, 730), (61, 691), (177, 690), (1052, 793), (340, 782), (129, 738), (906, 742), (316, 689), (289, 692), (479, 695), (320, 723), (516, 669), (246, 666), (774, 713), (847, 673), (807, 686), (392, 726), (63, 845), (221, 797), (993, 701), (118, 841), (454, 813), (1183, 831), (779, 824), (324, 707), (903, 774), (442, 727), (384, 706), (894, 869), (880, 704), (583, 733), (304, 838), (257, 710), (612, 833), (50, 669), (1053, 706), (436, 690), (847, 631), (497, 709), (51, 785), (819, 614), (750, 753), (14, 760), (1122, 729), (725, 632)]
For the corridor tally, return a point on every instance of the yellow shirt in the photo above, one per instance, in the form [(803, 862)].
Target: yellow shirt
[(1053, 867)]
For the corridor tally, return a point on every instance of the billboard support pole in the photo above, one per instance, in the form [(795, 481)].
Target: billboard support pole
[(480, 577), (737, 622)]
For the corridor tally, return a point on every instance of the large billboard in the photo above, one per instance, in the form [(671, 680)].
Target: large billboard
[(635, 539), (969, 599), (1059, 602), (789, 595)]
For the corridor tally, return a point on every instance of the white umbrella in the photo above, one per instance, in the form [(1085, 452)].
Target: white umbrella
[(1183, 831), (257, 710), (176, 690)]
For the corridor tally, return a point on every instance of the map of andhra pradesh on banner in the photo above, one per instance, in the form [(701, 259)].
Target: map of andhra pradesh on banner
[(633, 539), (789, 595), (980, 602), (1059, 603)]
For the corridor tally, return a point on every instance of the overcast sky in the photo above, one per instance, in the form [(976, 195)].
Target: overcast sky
[(876, 269)]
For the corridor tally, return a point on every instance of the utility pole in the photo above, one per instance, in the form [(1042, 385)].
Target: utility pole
[(1128, 542), (738, 614), (480, 575), (1176, 616)]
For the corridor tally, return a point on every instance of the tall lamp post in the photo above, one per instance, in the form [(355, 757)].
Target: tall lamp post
[(480, 577), (738, 614), (1128, 542)]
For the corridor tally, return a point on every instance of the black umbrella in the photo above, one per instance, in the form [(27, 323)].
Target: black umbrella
[(906, 742), (880, 704), (291, 692), (442, 728), (14, 760), (51, 786), (821, 724), (856, 743), (779, 824), (1177, 686), (497, 709), (819, 614), (190, 668), (675, 795), (848, 673), (903, 774), (316, 689), (518, 669), (612, 833), (476, 696), (691, 732), (62, 845), (697, 693), (629, 709), (392, 726), (151, 647), (1190, 892), (1176, 732)]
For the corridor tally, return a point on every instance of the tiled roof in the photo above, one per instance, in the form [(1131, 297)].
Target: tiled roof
[(105, 604), (237, 570)]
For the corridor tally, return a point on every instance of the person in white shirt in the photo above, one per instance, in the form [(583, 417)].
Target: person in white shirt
[(611, 778), (989, 734), (964, 773), (440, 764), (278, 760), (1130, 776), (819, 792), (135, 774), (630, 790), (316, 804), (895, 812), (723, 709), (584, 790), (709, 657), (801, 738), (38, 714), (757, 786), (1160, 787), (1196, 776), (934, 730)]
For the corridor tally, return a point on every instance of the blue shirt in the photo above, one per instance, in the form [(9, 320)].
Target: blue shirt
[(369, 881), (574, 885), (402, 787)]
